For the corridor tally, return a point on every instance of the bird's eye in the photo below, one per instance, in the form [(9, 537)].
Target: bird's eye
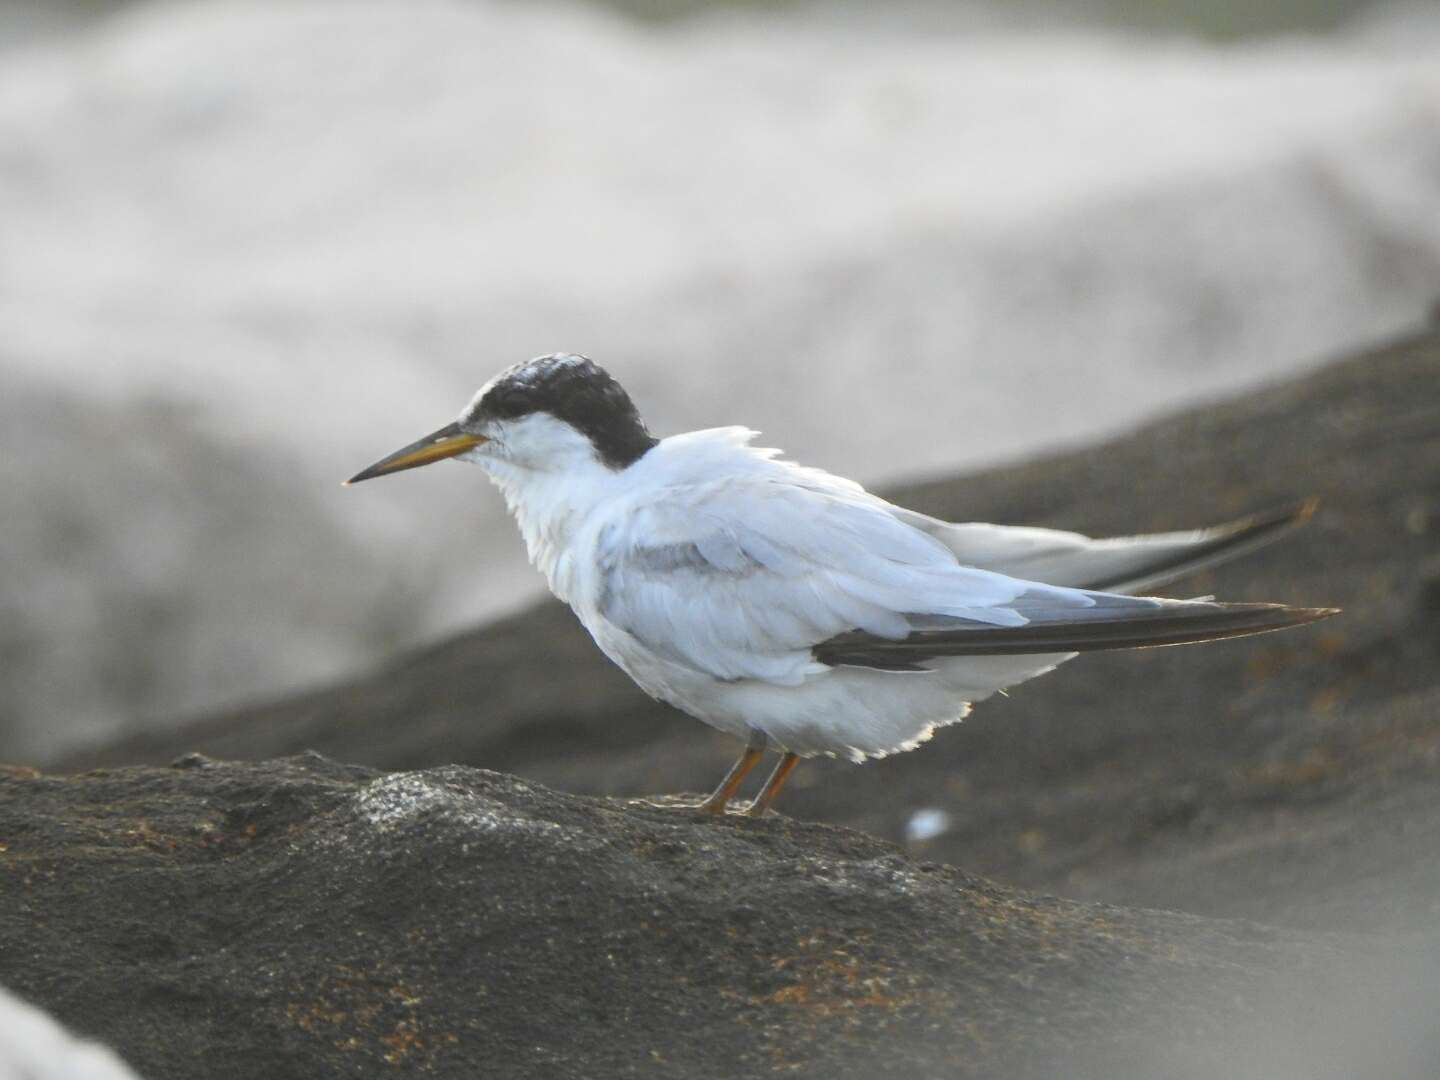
[(508, 403)]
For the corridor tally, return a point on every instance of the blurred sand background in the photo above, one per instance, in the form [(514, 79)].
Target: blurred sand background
[(246, 248)]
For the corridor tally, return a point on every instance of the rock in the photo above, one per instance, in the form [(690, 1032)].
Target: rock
[(34, 1047), (302, 918), (1289, 777)]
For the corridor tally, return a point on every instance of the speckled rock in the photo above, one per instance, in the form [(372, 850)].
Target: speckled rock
[(301, 918)]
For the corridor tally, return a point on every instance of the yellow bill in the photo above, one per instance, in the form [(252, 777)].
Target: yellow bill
[(437, 446)]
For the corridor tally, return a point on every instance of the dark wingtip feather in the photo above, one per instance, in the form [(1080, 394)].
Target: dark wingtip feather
[(1177, 625), (1267, 523), (1296, 513), (1225, 542), (1242, 620)]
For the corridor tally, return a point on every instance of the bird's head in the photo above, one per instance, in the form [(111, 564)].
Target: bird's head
[(553, 413)]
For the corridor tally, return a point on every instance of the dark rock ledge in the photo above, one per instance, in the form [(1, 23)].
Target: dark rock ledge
[(302, 918)]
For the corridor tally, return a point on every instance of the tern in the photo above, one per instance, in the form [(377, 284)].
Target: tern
[(790, 607)]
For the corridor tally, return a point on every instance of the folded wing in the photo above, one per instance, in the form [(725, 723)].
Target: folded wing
[(759, 579), (740, 578), (1118, 564)]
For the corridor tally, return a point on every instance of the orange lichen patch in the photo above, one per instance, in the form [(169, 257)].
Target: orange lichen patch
[(836, 994), (1326, 699), (142, 834), (807, 997), (831, 982), (357, 1011), (402, 1041), (308, 1019)]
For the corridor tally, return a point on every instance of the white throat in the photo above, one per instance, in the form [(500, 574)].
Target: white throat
[(551, 504)]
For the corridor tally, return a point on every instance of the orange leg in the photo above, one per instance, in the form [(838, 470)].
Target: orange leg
[(721, 796), (773, 785)]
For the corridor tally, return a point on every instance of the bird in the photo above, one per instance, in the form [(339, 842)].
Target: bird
[(791, 608)]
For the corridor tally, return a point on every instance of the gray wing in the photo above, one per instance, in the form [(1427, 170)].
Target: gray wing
[(1119, 564), (762, 581), (741, 579)]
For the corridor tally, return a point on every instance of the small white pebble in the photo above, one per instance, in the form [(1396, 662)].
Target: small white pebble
[(35, 1046), (926, 824)]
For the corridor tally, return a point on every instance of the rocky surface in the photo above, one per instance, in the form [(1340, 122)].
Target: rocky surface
[(301, 918), (1290, 777)]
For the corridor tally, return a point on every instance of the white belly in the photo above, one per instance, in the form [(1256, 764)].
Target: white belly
[(842, 712)]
